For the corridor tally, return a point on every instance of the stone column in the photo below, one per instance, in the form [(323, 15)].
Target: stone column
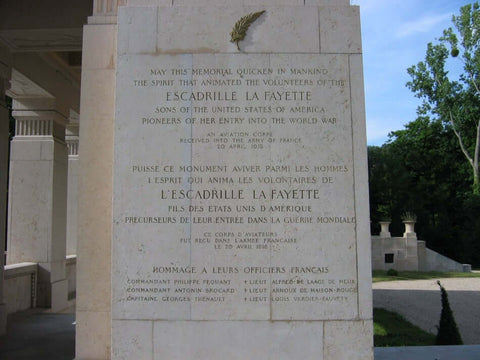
[(71, 139), (37, 196), (411, 253), (5, 73), (97, 112)]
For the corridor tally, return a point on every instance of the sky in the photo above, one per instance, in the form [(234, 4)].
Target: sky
[(395, 34)]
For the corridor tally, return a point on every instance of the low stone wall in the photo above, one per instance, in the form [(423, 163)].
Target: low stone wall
[(407, 253), (20, 284), (71, 274), (402, 251), (410, 254), (20, 281), (429, 260)]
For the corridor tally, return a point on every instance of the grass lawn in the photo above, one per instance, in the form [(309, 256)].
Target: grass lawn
[(390, 329), (380, 275)]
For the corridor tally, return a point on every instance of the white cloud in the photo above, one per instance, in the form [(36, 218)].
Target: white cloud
[(422, 25)]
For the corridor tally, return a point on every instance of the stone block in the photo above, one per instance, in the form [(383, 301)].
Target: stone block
[(132, 340), (59, 295), (182, 23), (352, 340), (339, 30), (97, 99), (99, 47), (216, 340), (93, 335), (139, 36), (21, 150)]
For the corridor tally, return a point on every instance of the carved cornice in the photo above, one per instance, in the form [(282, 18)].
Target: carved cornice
[(105, 11), (23, 87), (33, 127), (72, 145), (21, 40), (107, 7)]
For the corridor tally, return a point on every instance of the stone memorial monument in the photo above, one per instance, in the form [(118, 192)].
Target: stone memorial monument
[(240, 203)]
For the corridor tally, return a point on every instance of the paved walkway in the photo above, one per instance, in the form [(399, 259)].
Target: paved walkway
[(419, 302), (38, 334)]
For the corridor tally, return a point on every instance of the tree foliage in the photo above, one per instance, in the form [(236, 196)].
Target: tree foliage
[(422, 170), (455, 102)]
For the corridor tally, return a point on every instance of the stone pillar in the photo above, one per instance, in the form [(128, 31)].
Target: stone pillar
[(71, 139), (5, 73), (97, 112), (384, 229), (411, 245), (37, 196), (422, 255)]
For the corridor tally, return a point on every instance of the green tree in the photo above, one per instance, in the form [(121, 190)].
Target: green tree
[(455, 102), (388, 183), (448, 333), (419, 170)]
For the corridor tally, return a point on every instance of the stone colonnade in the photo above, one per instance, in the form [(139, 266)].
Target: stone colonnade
[(38, 182), (41, 180)]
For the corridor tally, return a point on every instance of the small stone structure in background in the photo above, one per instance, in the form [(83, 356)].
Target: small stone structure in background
[(407, 253)]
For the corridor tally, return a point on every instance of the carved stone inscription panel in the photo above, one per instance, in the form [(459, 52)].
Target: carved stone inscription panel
[(233, 188)]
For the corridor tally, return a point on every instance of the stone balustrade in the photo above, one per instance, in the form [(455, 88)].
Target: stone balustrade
[(21, 284)]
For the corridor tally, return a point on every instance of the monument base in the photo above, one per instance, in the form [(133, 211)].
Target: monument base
[(219, 340)]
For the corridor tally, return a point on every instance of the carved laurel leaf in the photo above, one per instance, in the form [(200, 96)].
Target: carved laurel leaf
[(241, 26)]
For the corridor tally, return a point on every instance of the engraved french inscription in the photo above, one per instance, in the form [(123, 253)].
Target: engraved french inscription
[(234, 187)]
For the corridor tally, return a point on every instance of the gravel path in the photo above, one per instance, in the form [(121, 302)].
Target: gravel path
[(419, 302)]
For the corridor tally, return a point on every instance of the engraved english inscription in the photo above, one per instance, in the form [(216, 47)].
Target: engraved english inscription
[(234, 189)]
